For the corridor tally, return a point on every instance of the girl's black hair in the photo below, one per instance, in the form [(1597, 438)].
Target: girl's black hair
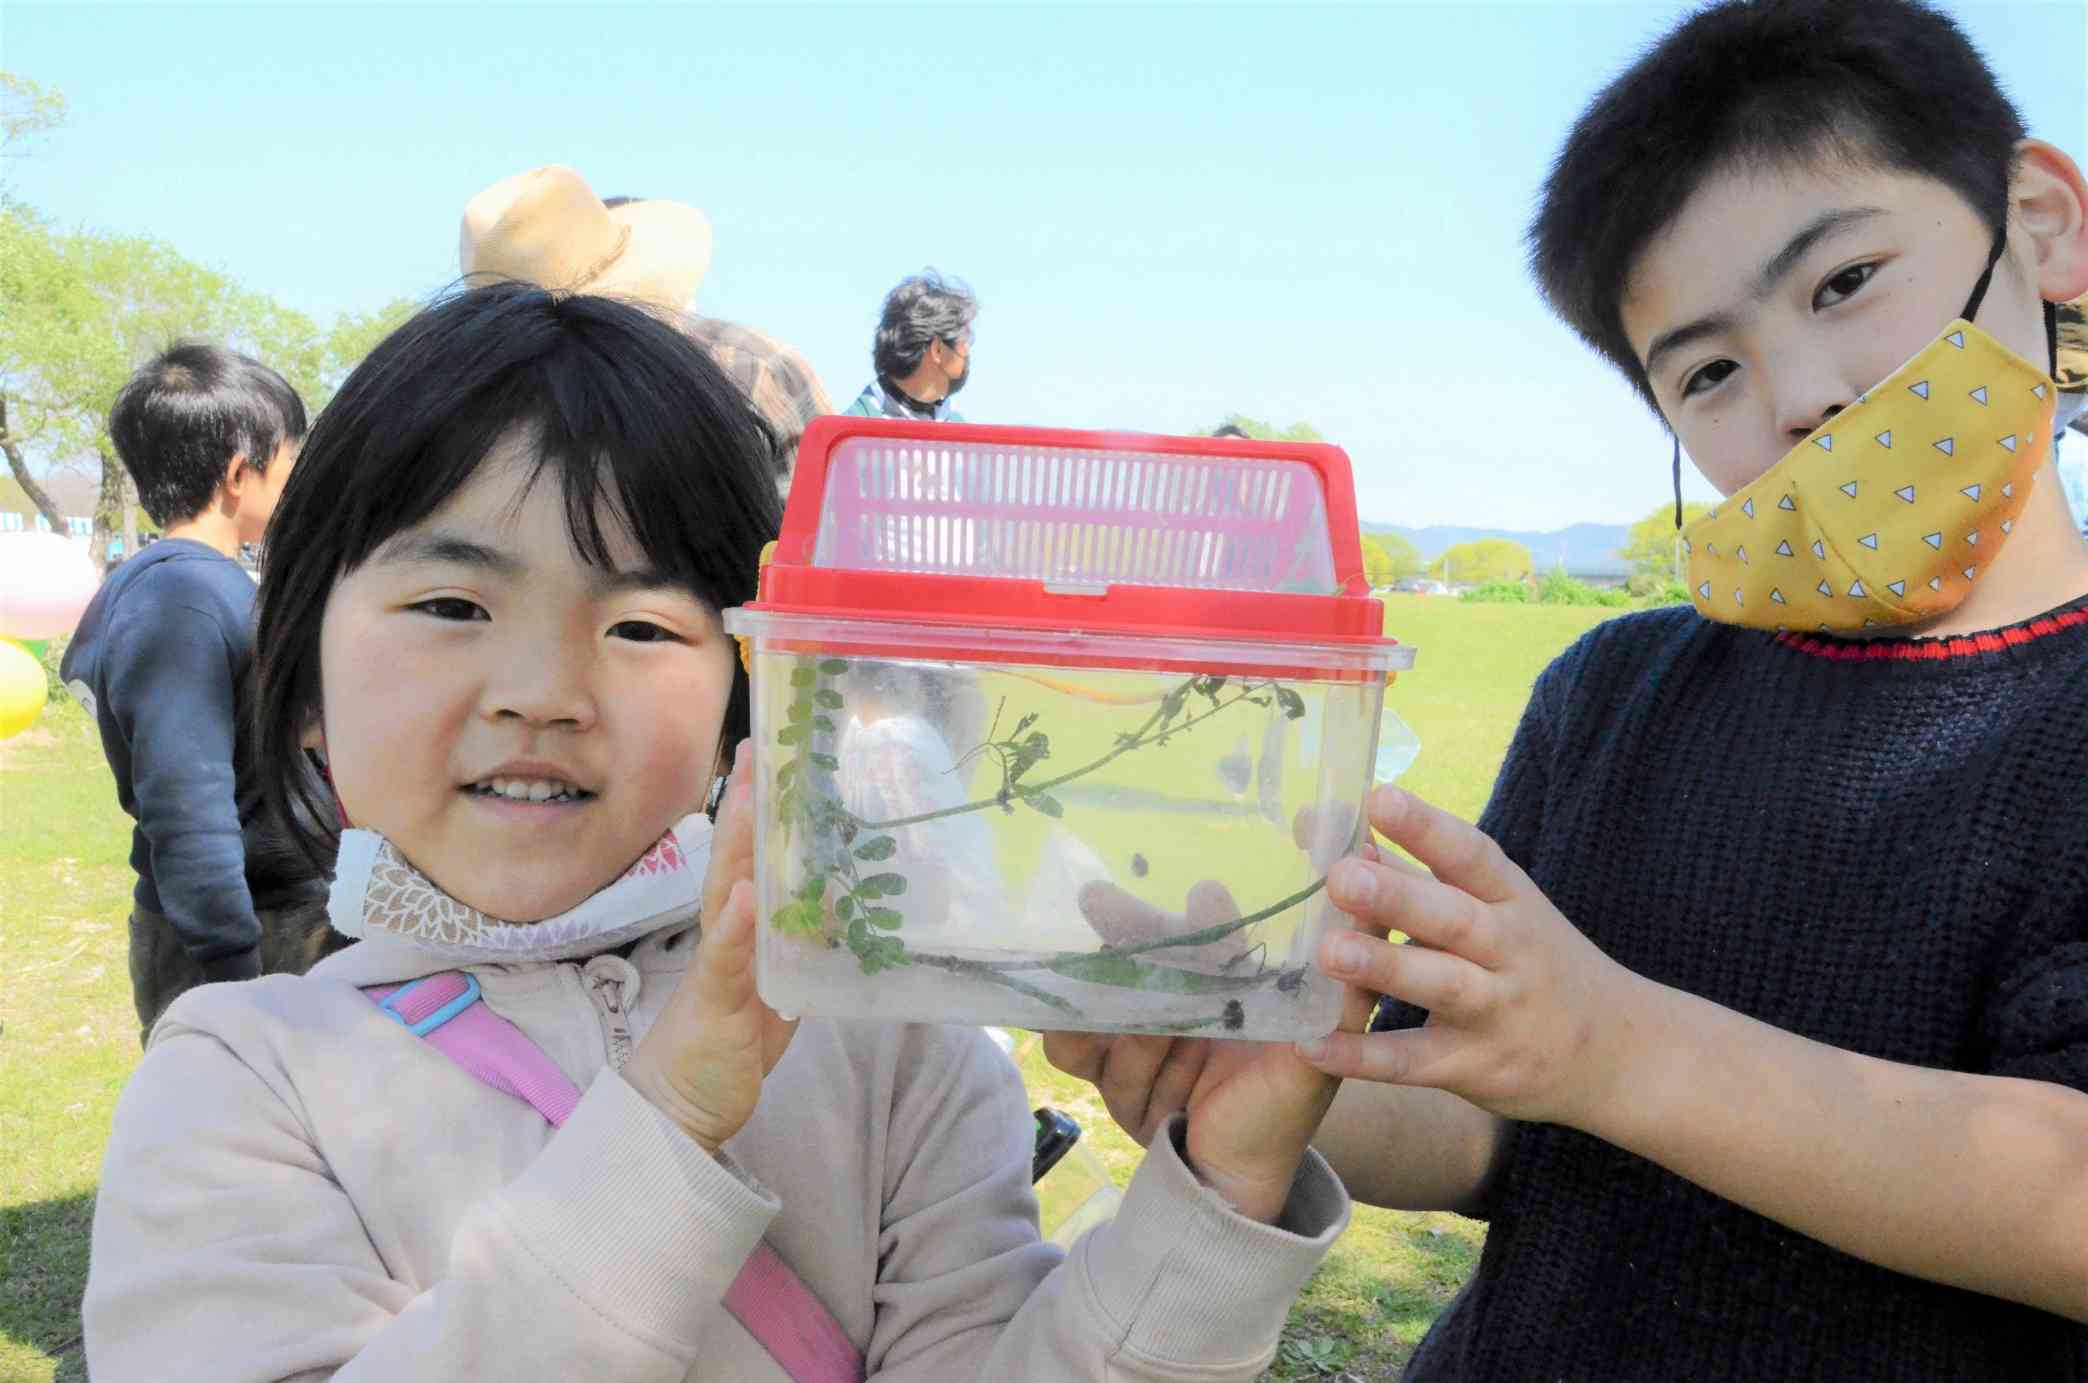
[(1890, 84), (625, 412)]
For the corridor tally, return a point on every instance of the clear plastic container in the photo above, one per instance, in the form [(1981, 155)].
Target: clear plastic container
[(1049, 846), (1060, 729)]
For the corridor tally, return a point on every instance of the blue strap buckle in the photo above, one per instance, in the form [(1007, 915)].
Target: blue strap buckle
[(441, 1015)]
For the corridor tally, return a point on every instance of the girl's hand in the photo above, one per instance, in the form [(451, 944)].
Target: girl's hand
[(1527, 1017), (704, 1059), (1253, 1106)]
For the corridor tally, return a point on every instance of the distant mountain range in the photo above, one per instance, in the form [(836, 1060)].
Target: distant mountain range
[(1588, 549)]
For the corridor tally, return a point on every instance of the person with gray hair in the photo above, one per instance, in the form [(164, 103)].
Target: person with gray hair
[(921, 353)]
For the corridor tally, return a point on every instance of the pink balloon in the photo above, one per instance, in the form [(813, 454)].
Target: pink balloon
[(45, 583)]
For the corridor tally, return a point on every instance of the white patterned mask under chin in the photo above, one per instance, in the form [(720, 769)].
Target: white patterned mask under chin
[(378, 893)]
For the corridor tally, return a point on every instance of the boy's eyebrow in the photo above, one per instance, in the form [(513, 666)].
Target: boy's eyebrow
[(1798, 246), (1773, 272)]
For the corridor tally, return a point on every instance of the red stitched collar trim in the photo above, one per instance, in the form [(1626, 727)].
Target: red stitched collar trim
[(1924, 650)]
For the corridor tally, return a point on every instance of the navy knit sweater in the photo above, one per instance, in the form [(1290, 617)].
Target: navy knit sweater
[(1883, 847), (161, 661)]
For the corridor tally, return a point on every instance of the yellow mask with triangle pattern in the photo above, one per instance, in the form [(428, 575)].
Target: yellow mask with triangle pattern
[(1889, 511)]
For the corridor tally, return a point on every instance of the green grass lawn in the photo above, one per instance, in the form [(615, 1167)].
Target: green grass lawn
[(68, 1038)]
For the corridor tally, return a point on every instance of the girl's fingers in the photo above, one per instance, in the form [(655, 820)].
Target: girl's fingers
[(725, 958), (1446, 985), (1130, 1068), (732, 839), (1179, 1071), (1418, 1056), (1458, 852), (1078, 1054), (1383, 899)]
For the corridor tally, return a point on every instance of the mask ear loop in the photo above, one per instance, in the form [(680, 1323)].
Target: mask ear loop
[(2051, 310), (318, 762), (718, 783), (1678, 480)]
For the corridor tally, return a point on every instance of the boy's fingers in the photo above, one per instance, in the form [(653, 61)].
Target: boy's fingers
[(1444, 984), (1456, 851), (1121, 918), (1358, 1003), (1431, 912), (1418, 1056)]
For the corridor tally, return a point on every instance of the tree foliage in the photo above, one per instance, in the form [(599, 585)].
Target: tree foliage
[(85, 308), (1389, 559), (26, 111), (1486, 559), (1650, 548), (1269, 432)]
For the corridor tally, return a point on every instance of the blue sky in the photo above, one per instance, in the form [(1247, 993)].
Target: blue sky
[(1168, 213)]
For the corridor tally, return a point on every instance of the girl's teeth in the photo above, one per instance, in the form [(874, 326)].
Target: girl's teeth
[(527, 790)]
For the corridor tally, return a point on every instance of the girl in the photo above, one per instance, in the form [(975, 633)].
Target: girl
[(492, 616)]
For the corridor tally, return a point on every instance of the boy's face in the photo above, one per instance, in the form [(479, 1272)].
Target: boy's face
[(1781, 294), (260, 491)]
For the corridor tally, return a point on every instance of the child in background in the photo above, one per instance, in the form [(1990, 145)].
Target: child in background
[(161, 660), (492, 609)]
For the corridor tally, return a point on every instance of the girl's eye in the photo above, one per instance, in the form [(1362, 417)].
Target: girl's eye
[(1709, 377), (643, 631), (450, 607), (1843, 285)]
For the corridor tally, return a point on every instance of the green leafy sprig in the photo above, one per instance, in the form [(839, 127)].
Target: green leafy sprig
[(838, 892)]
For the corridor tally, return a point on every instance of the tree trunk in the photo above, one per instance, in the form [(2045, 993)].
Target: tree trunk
[(109, 509), (11, 444)]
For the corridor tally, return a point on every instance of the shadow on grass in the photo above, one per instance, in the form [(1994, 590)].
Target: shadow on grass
[(1367, 1329), (1410, 1307), (43, 1270)]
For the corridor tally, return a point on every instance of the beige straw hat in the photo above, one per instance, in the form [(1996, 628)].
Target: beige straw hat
[(547, 227)]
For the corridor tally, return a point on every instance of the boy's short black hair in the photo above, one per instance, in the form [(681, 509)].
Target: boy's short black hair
[(187, 412), (1890, 83), (626, 412)]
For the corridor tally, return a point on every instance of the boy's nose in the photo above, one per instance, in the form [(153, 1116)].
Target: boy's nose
[(1804, 394)]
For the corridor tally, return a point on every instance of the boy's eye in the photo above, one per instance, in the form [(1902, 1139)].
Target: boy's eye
[(642, 631), (1844, 284), (1709, 377), (450, 607)]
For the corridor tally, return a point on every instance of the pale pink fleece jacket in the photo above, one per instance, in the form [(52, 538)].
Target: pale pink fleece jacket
[(298, 1188)]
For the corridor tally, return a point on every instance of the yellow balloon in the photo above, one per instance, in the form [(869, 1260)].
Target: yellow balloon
[(22, 689)]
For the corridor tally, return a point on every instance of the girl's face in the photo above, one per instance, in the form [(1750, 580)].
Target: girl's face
[(521, 725)]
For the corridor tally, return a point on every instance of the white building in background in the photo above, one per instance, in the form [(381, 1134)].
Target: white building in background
[(13, 521)]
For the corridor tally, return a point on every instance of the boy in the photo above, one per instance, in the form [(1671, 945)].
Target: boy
[(1757, 1017), (160, 660)]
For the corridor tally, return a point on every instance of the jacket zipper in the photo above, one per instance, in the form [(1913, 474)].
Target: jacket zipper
[(612, 982)]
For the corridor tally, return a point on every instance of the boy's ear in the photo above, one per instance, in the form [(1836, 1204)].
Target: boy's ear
[(2050, 199), (237, 474), (313, 737)]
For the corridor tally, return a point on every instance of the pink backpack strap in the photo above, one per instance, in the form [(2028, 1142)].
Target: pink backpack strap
[(768, 1297), (445, 1009)]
